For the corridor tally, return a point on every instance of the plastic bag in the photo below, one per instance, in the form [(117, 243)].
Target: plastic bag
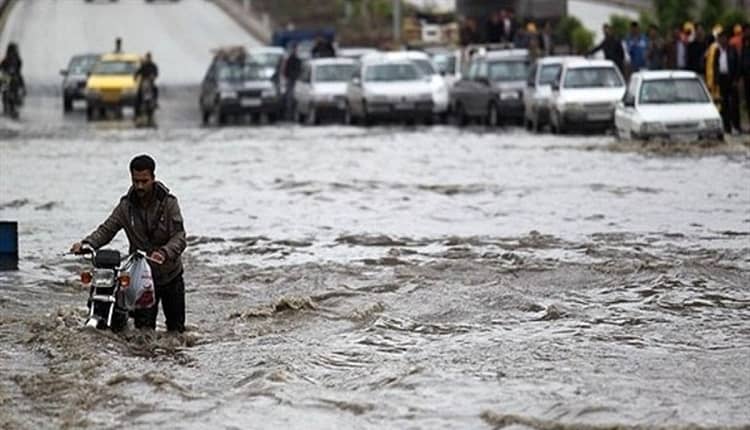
[(140, 293)]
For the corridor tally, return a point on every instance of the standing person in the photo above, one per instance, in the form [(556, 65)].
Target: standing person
[(494, 28), (118, 46), (726, 70), (745, 66), (323, 48), (508, 26), (152, 221), (696, 50), (655, 53), (637, 44), (547, 40), (147, 71), (290, 70), (680, 49), (12, 65), (612, 48)]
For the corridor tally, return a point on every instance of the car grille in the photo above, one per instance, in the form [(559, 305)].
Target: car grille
[(250, 93), (110, 95), (683, 126), (597, 106)]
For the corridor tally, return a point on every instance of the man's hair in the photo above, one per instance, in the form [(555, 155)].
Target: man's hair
[(141, 163), (634, 24)]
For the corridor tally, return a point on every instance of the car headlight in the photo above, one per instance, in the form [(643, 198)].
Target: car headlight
[(270, 92), (509, 95), (228, 94), (652, 127), (713, 123)]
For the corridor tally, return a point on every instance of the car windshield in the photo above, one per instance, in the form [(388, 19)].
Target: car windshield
[(425, 66), (549, 74), (445, 63), (115, 68), (665, 91), (82, 65), (334, 72), (392, 72), (267, 59), (241, 72), (592, 77), (504, 71)]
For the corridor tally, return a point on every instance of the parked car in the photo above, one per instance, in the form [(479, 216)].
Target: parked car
[(669, 104), (585, 95), (235, 85), (388, 88), (111, 84), (75, 77), (542, 74), (492, 90), (321, 89), (440, 92)]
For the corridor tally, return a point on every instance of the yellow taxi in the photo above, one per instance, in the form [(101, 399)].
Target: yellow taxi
[(111, 84)]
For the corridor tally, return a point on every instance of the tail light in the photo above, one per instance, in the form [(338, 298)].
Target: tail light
[(124, 280), (87, 278)]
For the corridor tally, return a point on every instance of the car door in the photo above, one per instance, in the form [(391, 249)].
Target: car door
[(461, 90), (625, 112), (480, 90)]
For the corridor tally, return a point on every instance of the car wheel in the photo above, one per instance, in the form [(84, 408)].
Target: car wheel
[(67, 104), (205, 116), (348, 117), (366, 120), (312, 116), (89, 113), (461, 118), (221, 118), (527, 124)]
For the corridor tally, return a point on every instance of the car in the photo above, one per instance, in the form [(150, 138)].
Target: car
[(75, 77), (668, 104), (542, 74), (585, 95), (321, 88), (111, 84), (383, 88), (236, 85), (492, 90), (440, 92)]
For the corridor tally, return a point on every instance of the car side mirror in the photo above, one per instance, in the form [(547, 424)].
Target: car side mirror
[(63, 72), (629, 101)]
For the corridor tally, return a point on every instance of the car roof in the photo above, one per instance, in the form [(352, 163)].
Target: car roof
[(331, 60), (265, 49), (120, 57), (406, 55), (665, 74), (585, 62), (556, 59), (509, 54)]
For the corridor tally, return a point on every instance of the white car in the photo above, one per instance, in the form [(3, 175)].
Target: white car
[(670, 104), (542, 74), (388, 89), (321, 88), (440, 92), (585, 95)]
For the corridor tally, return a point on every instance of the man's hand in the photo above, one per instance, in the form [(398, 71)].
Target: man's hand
[(76, 248), (158, 257)]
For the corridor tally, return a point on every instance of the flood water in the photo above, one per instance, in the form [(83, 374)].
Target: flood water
[(388, 277)]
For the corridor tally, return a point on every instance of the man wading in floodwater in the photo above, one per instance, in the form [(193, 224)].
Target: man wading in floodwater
[(152, 221)]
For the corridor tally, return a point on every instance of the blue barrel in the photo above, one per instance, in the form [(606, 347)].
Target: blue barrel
[(8, 245)]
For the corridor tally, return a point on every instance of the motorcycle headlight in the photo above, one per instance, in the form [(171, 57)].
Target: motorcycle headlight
[(713, 123), (228, 94), (651, 127)]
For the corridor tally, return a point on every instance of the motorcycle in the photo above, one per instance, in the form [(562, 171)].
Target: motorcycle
[(111, 299), (10, 94), (147, 103)]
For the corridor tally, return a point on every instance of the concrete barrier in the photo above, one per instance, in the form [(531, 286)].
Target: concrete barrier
[(8, 245)]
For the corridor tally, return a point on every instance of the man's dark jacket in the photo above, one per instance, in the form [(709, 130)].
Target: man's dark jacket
[(158, 227), (612, 48)]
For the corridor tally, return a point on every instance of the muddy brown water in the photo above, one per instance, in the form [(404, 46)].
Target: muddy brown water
[(389, 277)]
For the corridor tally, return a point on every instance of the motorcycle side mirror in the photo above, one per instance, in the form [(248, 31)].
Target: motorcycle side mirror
[(63, 72)]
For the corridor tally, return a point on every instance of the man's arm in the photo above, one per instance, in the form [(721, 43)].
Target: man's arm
[(107, 231), (177, 243), (596, 48)]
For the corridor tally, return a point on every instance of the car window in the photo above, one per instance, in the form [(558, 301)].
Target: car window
[(82, 65), (334, 72), (392, 72), (505, 71), (268, 59), (549, 74), (240, 72), (445, 63), (115, 68), (482, 70), (592, 77), (425, 66), (473, 70), (667, 91)]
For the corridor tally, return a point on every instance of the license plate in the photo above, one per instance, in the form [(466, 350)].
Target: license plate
[(599, 116), (247, 102), (404, 106)]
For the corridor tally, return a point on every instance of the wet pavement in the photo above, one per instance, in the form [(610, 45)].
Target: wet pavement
[(388, 277)]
